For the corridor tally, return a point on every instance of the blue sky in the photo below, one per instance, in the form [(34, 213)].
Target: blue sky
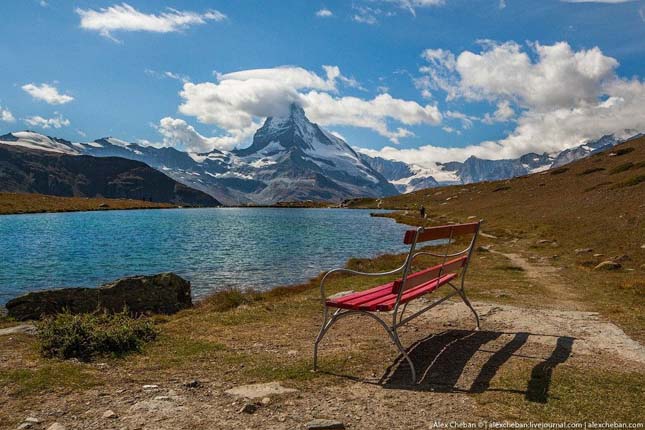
[(497, 77)]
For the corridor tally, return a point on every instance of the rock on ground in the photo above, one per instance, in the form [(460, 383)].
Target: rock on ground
[(319, 424), (162, 293), (258, 391)]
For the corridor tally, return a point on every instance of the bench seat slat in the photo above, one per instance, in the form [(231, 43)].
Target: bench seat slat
[(382, 298)]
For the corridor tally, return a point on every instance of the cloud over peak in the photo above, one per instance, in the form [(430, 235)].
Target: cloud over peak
[(237, 101), (56, 122)]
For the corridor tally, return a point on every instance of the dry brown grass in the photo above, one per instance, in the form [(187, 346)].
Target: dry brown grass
[(16, 203)]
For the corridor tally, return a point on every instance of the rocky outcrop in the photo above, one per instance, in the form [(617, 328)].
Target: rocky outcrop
[(163, 293)]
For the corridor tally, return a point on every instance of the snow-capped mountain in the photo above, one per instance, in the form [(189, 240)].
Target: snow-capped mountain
[(410, 177), (293, 159), (290, 159)]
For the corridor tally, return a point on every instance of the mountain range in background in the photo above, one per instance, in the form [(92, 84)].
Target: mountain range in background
[(290, 159)]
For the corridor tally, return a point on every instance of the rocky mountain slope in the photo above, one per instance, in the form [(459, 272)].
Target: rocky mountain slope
[(408, 177), (290, 159), (31, 170), (293, 159)]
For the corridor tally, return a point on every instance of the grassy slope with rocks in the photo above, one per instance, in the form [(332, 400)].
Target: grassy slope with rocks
[(19, 203), (527, 260)]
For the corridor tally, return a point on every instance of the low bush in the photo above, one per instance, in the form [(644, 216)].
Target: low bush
[(621, 168), (635, 180), (88, 336), (559, 170), (228, 299), (591, 170)]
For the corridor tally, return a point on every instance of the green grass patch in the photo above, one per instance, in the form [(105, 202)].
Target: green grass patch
[(88, 336), (635, 180), (51, 376), (595, 187), (170, 352), (591, 170), (621, 168), (572, 395)]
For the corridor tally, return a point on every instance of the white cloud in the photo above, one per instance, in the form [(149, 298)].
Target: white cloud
[(124, 17), (466, 120), (559, 99), (503, 113), (558, 78), (167, 75), (38, 121), (502, 4), (324, 13), (6, 115), (238, 100), (641, 12), (178, 133), (47, 93)]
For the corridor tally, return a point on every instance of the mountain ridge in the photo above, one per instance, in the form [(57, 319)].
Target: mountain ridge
[(293, 159)]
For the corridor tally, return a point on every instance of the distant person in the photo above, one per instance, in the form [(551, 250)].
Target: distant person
[(422, 211)]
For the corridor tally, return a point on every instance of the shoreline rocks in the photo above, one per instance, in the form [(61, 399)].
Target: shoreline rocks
[(164, 293)]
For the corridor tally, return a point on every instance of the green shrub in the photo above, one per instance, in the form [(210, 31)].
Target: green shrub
[(621, 168), (228, 299), (87, 336), (559, 170), (591, 170), (635, 180)]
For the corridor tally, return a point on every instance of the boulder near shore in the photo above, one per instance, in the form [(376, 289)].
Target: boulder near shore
[(164, 293)]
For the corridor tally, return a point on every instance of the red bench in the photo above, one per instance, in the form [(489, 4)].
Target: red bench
[(393, 297)]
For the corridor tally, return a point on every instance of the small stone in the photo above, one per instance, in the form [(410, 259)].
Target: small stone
[(56, 426), (599, 255), (266, 401), (608, 265), (32, 420), (193, 384), (643, 246), (109, 414), (542, 242), (163, 398), (25, 426), (320, 424), (583, 250), (248, 408), (292, 353), (622, 258), (150, 387)]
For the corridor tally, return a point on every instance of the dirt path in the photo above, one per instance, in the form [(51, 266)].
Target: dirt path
[(548, 277)]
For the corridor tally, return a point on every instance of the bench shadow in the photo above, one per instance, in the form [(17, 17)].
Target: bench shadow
[(440, 360)]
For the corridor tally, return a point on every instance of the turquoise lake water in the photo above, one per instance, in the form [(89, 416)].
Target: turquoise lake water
[(214, 248)]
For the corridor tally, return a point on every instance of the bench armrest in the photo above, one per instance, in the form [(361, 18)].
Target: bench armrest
[(323, 296)]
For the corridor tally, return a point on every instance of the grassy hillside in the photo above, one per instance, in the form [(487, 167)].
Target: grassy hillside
[(16, 203), (575, 216)]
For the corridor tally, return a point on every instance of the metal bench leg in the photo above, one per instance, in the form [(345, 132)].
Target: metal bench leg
[(323, 330), (462, 294), (395, 338)]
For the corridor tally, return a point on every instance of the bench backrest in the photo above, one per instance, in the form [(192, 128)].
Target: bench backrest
[(451, 262)]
